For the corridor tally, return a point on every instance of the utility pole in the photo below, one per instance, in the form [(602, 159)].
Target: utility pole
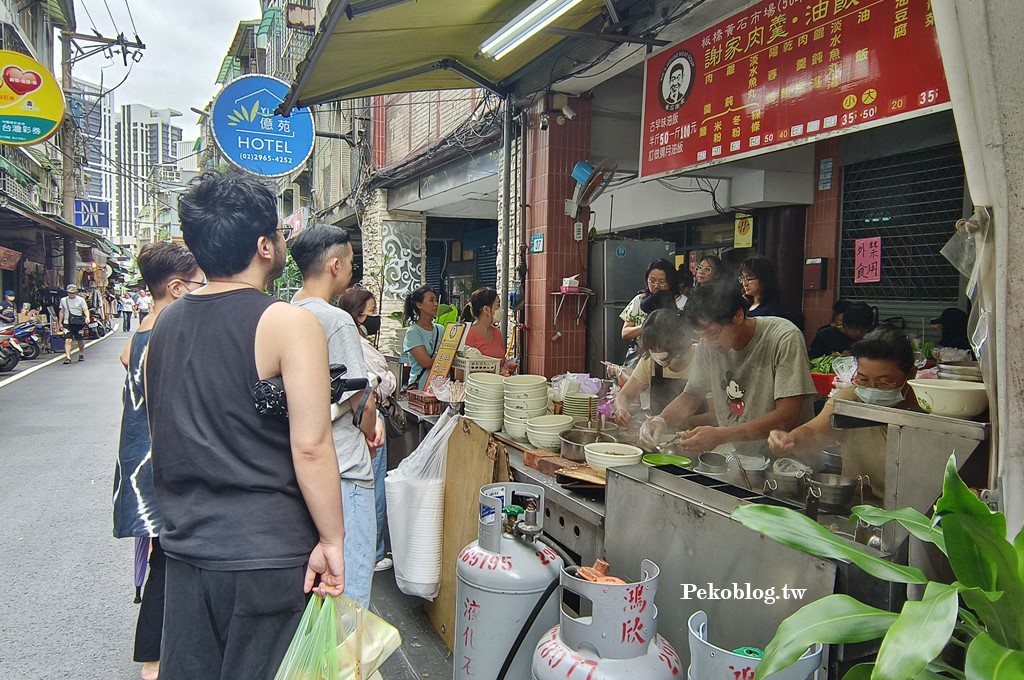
[(69, 187)]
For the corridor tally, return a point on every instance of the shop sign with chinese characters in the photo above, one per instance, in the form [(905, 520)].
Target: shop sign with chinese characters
[(251, 136), (31, 101), (867, 260), (785, 72), (9, 259)]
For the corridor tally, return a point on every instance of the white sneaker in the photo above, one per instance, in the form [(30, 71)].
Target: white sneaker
[(384, 564)]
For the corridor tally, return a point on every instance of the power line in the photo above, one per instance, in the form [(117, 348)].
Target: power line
[(130, 17), (110, 14)]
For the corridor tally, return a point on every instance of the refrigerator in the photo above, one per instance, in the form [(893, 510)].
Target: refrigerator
[(616, 275)]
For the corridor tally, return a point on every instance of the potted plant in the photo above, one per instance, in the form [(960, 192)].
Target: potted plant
[(403, 325), (988, 623)]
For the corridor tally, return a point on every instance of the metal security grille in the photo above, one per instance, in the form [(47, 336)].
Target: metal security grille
[(912, 201), (487, 265)]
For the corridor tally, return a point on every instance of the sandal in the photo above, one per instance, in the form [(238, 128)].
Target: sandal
[(81, 358), (67, 362)]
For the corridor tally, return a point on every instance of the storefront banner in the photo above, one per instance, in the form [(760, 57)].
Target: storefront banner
[(867, 262), (9, 259), (31, 101), (249, 134), (788, 72)]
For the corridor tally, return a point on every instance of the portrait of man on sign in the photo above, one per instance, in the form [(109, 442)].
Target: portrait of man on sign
[(676, 81)]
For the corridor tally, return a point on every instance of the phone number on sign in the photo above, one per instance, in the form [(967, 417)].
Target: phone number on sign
[(264, 158)]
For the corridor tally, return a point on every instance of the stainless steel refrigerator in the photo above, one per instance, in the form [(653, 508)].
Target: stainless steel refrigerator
[(616, 275)]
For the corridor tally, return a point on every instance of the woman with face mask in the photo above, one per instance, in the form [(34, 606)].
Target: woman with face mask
[(885, 362), (482, 313), (361, 304), (660, 375)]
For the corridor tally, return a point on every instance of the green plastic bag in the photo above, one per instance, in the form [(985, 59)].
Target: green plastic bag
[(338, 640)]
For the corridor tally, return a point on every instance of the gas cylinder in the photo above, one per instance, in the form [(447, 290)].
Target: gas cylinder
[(500, 578), (619, 640)]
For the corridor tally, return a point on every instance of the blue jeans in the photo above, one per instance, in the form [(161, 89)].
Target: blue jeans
[(380, 469), (360, 540)]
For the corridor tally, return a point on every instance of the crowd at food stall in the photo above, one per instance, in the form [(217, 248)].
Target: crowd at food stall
[(719, 402)]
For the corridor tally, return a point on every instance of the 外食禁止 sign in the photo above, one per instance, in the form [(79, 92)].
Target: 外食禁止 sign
[(867, 260), (784, 72), (31, 101), (251, 136)]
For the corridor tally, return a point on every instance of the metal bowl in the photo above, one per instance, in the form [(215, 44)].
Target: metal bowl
[(712, 463), (836, 491), (573, 442)]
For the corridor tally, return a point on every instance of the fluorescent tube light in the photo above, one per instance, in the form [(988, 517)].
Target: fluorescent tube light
[(528, 23)]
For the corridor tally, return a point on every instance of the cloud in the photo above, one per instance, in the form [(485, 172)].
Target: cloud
[(186, 41)]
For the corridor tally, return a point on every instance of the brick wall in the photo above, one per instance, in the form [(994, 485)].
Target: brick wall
[(822, 237)]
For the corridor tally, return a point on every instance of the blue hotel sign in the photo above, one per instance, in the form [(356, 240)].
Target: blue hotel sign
[(91, 214), (251, 136)]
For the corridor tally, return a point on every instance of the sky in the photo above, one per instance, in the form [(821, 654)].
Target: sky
[(186, 41)]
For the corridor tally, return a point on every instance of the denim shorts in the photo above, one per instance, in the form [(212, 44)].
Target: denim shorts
[(360, 540)]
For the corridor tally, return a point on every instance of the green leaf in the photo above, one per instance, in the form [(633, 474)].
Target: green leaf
[(919, 634), (861, 671), (959, 500), (834, 619), (972, 566), (999, 551), (989, 609), (913, 521), (1018, 547), (800, 532), (988, 659)]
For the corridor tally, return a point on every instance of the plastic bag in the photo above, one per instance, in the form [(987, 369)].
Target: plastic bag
[(845, 368), (415, 497), (338, 640)]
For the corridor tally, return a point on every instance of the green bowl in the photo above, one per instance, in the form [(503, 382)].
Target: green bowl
[(656, 459)]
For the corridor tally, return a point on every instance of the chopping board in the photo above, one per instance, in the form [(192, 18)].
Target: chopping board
[(579, 477)]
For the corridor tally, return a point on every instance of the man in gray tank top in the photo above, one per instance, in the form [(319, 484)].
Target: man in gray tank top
[(251, 505)]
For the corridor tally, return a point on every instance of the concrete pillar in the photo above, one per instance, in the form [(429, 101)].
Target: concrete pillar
[(553, 348), (821, 238), (394, 257), (70, 260)]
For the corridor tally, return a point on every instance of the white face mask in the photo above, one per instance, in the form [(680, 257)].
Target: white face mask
[(498, 314), (878, 397), (660, 358)]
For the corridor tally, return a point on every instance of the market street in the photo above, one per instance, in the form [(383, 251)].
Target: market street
[(68, 590)]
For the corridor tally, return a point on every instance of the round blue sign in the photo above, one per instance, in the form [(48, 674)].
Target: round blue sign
[(251, 136), (620, 251)]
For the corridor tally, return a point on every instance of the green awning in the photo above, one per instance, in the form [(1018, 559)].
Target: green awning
[(388, 46), (39, 157), (230, 68), (19, 175), (273, 20)]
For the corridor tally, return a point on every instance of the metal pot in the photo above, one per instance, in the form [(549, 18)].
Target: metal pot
[(784, 485), (752, 471), (836, 490), (712, 463), (573, 442)]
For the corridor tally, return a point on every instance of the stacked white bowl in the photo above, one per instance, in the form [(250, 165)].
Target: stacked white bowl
[(526, 396), (580, 406), (485, 400), (544, 432)]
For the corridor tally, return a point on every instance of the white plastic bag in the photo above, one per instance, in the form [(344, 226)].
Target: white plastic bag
[(415, 494)]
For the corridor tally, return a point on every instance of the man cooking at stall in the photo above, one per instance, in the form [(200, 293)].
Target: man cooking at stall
[(756, 370)]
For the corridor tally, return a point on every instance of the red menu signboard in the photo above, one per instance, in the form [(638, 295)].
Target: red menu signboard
[(785, 72), (9, 259)]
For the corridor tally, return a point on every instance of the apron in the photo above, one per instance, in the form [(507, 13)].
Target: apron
[(664, 390)]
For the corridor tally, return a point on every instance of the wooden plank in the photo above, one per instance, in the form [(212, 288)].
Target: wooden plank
[(475, 459)]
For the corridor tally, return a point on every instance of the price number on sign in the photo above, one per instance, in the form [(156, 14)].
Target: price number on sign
[(848, 118), (928, 97)]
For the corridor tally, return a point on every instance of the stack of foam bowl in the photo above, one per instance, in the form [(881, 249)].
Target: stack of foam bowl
[(526, 396), (968, 371), (485, 400), (580, 406), (545, 432)]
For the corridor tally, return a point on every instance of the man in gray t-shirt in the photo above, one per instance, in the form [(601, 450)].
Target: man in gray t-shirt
[(756, 370), (324, 256)]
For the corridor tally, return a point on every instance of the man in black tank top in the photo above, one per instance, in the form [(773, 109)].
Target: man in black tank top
[(251, 505)]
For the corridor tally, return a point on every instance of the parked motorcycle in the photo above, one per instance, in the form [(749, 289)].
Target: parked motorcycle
[(10, 354), (28, 335)]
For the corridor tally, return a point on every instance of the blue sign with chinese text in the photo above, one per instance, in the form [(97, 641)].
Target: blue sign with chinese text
[(92, 214), (251, 136)]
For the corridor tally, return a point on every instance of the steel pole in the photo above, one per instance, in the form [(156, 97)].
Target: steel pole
[(506, 210)]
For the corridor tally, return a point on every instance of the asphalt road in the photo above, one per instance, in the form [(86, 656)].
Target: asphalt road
[(66, 585)]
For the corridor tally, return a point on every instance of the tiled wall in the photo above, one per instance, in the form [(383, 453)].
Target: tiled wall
[(822, 237), (551, 155)]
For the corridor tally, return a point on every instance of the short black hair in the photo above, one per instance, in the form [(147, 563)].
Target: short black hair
[(716, 302), (667, 329), (223, 215), (159, 263), (886, 345), (312, 248), (665, 266), (859, 315), (676, 67)]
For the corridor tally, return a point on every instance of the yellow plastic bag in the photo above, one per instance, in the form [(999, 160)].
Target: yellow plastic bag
[(338, 640)]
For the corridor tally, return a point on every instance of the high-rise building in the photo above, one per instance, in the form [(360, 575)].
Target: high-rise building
[(146, 138), (93, 112)]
